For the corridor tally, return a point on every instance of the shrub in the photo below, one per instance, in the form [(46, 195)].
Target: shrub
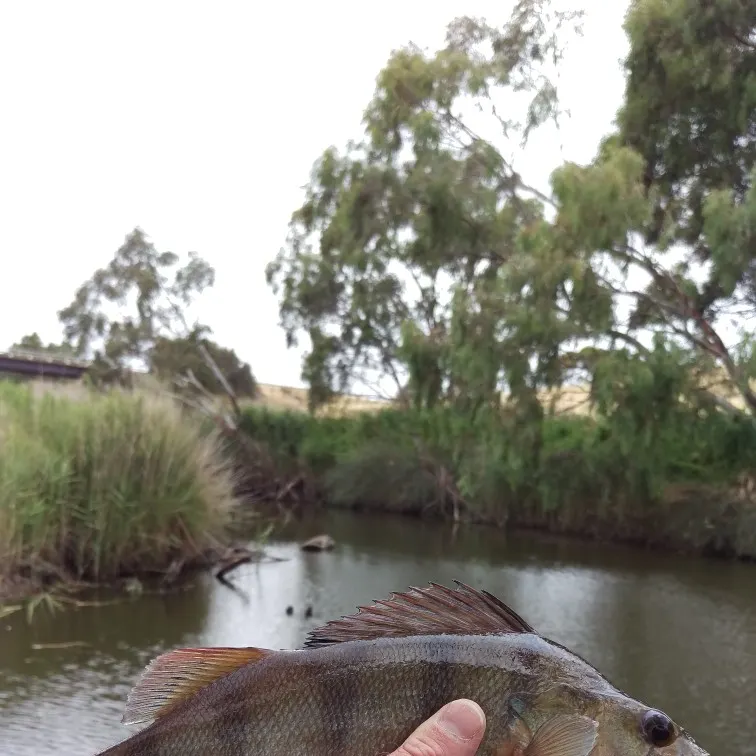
[(603, 475)]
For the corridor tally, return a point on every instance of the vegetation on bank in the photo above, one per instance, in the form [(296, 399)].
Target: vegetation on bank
[(97, 486), (682, 483)]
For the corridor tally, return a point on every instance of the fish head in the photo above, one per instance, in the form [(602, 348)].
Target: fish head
[(629, 728), (566, 722)]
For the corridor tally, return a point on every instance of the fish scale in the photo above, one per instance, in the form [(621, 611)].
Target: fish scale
[(362, 684)]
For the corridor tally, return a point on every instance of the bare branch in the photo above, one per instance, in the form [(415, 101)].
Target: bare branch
[(627, 338)]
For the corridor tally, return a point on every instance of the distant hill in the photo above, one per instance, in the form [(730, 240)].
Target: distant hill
[(565, 400), (295, 399)]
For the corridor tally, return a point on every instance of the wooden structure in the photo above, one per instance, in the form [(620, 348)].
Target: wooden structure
[(41, 365)]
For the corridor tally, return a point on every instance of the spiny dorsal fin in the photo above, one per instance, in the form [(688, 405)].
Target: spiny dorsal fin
[(177, 675), (436, 610)]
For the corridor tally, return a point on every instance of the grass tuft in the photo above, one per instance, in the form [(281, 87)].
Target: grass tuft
[(95, 486)]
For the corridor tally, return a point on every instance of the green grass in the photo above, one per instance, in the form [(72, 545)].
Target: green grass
[(98, 486), (617, 477)]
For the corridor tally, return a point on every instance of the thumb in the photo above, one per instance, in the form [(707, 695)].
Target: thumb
[(456, 730)]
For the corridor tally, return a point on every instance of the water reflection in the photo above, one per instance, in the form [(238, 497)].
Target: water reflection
[(70, 700), (678, 633)]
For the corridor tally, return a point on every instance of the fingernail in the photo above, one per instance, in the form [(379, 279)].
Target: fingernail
[(462, 719)]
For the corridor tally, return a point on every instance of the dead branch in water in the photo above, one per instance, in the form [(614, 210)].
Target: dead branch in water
[(230, 566)]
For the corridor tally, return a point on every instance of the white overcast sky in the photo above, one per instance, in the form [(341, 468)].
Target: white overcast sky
[(199, 122)]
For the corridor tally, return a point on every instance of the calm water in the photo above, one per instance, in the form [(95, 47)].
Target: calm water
[(679, 634)]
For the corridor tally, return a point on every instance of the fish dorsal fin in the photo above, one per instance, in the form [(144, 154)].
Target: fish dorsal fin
[(435, 610), (564, 735), (177, 675)]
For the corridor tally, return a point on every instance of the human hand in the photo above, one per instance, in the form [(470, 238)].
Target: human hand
[(455, 730)]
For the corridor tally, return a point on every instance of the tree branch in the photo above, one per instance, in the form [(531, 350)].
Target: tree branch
[(627, 338), (513, 173)]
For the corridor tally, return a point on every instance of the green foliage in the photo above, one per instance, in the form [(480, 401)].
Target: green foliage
[(601, 204), (398, 247), (169, 359), (382, 477), (33, 343), (132, 314), (97, 486), (420, 255), (689, 113), (689, 106), (149, 294), (605, 476)]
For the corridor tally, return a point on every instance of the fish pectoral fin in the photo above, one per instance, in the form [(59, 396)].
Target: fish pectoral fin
[(565, 735), (177, 675)]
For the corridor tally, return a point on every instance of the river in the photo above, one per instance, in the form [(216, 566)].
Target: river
[(678, 633)]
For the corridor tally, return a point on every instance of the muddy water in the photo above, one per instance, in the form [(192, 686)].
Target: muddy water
[(677, 633)]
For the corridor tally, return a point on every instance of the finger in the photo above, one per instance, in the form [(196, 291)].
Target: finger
[(456, 730)]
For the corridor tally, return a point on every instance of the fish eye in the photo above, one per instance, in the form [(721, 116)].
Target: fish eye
[(658, 729)]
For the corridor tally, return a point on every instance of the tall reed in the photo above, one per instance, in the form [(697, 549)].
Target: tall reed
[(95, 486)]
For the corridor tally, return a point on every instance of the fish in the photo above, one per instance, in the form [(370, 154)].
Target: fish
[(360, 685)]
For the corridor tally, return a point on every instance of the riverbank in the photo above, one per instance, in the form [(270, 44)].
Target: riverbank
[(98, 487), (101, 488), (684, 485)]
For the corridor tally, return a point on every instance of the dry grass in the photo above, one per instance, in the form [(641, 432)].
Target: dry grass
[(566, 400), (287, 398), (573, 399)]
